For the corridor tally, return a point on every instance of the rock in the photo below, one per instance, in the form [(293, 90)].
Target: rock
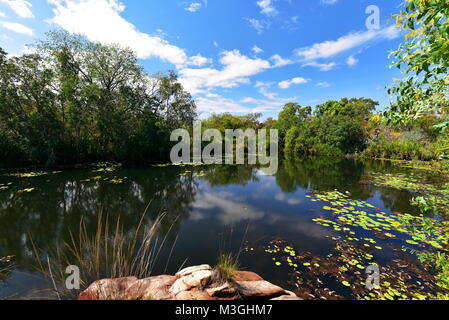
[(153, 288), (190, 270), (289, 296), (286, 298), (194, 294), (178, 287), (108, 289), (193, 283), (198, 278), (259, 289), (247, 276), (224, 291)]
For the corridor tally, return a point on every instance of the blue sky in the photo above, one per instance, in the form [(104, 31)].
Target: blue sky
[(235, 56)]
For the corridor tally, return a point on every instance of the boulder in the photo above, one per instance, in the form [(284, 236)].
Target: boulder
[(259, 289), (193, 283), (153, 288), (190, 270), (108, 289)]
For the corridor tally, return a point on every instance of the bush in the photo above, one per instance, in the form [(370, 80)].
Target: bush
[(399, 150), (326, 136), (441, 146)]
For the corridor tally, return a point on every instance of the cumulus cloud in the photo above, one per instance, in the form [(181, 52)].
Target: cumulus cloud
[(100, 20), (288, 83), (236, 70), (21, 7), (17, 28)]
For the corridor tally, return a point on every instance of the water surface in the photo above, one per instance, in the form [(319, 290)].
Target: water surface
[(208, 209)]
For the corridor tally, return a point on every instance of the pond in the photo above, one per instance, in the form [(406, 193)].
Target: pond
[(293, 228)]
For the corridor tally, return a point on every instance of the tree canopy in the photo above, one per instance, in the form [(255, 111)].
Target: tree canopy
[(75, 100)]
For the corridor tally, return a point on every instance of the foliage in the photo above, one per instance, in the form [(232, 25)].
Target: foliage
[(291, 115), (425, 61), (226, 121), (226, 268), (75, 100), (359, 109), (399, 149), (326, 136)]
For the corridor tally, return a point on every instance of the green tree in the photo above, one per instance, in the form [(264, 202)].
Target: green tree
[(360, 109), (424, 58), (291, 115)]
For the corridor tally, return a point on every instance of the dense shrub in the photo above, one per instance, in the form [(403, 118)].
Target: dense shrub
[(326, 136), (400, 150)]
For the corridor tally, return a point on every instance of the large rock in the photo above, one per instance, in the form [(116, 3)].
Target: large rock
[(193, 283), (190, 270), (153, 288), (259, 289), (108, 289)]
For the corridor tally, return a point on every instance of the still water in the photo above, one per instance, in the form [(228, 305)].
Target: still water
[(208, 210)]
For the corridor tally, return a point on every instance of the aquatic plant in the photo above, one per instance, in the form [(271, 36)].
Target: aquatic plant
[(226, 268), (364, 234), (109, 253)]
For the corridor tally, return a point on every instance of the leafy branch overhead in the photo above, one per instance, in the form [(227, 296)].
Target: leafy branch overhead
[(424, 59)]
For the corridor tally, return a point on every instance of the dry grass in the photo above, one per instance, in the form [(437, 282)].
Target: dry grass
[(109, 253)]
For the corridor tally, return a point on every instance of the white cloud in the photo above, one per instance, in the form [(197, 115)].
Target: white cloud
[(2, 14), (260, 84), (352, 61), (236, 70), (100, 20), (257, 50), (287, 83), (329, 49), (214, 103), (195, 6), (330, 2), (17, 28), (323, 84), (257, 25), (322, 66), (278, 61), (199, 60), (21, 7), (267, 7)]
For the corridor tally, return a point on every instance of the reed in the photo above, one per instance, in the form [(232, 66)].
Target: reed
[(108, 253)]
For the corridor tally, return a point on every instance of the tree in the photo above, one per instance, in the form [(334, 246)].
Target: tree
[(424, 58), (76, 100), (292, 115), (360, 109)]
